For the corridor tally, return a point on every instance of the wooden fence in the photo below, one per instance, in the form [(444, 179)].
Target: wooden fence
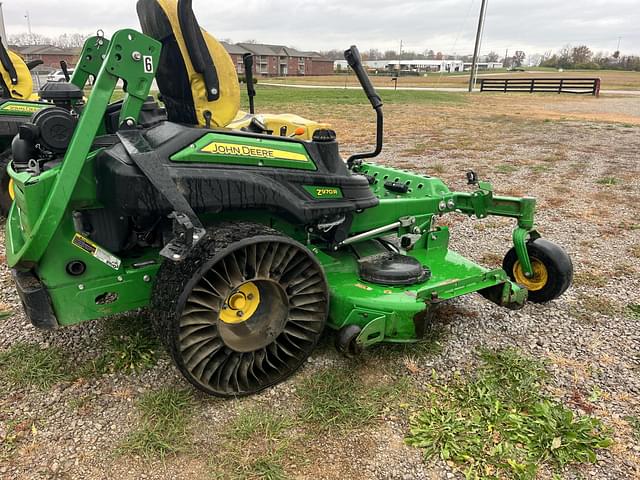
[(588, 86)]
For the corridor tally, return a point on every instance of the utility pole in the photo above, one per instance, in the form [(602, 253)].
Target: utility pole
[(476, 50), (3, 31), (28, 17)]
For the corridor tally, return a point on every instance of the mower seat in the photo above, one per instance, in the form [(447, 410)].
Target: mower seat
[(15, 78), (192, 62), (196, 76)]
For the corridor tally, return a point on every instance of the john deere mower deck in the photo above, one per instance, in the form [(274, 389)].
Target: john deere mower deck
[(243, 243)]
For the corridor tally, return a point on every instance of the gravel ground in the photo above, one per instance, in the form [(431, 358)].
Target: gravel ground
[(588, 337)]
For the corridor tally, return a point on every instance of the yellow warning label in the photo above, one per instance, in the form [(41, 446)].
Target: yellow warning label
[(231, 149), (93, 249), (13, 107)]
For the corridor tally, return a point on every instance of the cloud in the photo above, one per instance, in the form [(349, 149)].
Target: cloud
[(445, 25)]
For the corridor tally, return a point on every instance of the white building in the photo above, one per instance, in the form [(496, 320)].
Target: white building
[(407, 65), (484, 65)]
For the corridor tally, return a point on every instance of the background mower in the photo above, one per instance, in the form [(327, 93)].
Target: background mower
[(242, 241), (18, 103)]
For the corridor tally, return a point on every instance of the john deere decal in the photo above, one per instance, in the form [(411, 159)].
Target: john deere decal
[(234, 150), (21, 108)]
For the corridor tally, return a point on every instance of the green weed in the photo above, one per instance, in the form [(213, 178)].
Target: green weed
[(28, 364), (608, 181), (163, 425), (15, 433), (500, 425)]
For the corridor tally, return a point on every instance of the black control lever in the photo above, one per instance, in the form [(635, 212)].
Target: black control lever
[(33, 64), (65, 70), (352, 56), (247, 60)]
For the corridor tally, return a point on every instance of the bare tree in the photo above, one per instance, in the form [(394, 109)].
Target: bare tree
[(23, 39), (72, 40), (390, 55), (492, 56), (581, 54), (518, 58)]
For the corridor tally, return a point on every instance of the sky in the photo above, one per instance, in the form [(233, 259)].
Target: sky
[(441, 25)]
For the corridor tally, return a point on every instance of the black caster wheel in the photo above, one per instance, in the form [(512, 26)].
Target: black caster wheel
[(346, 341), (552, 270)]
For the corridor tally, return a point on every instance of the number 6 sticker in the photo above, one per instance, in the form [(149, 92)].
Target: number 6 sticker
[(148, 63)]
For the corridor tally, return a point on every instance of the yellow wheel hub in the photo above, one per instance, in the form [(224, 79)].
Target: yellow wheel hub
[(241, 304), (537, 281)]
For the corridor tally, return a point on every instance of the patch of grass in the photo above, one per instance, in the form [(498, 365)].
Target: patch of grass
[(506, 168), (27, 364), (599, 305), (633, 310), (130, 346), (165, 414), (417, 149), (257, 422), (608, 181), (5, 314), (589, 279), (492, 259), (499, 424), (256, 442), (269, 96), (333, 399), (634, 423), (438, 168), (431, 344), (540, 168), (635, 250)]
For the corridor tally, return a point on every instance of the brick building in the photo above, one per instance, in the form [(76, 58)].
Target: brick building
[(49, 54), (278, 60), (268, 61)]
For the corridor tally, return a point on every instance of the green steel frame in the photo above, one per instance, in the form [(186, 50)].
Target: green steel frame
[(40, 226)]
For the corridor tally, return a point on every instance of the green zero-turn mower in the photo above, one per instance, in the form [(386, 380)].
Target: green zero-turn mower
[(242, 243)]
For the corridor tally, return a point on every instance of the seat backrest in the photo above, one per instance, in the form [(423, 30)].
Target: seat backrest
[(15, 77), (195, 75)]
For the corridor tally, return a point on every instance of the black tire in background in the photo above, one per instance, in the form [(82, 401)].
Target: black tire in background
[(191, 301), (558, 266)]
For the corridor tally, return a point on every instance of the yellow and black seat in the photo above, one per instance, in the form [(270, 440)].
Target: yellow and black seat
[(196, 77), (15, 77)]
